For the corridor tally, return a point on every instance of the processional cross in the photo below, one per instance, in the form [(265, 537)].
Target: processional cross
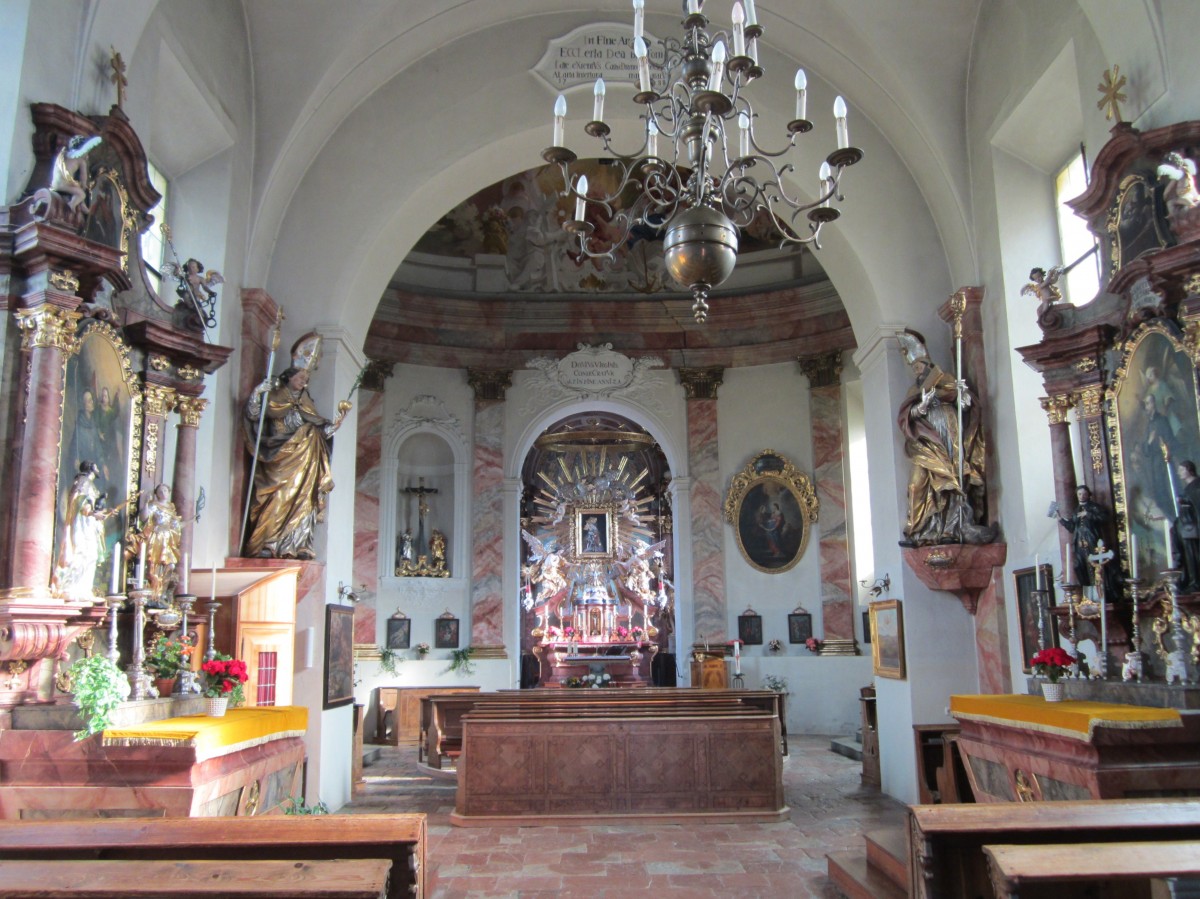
[(118, 76), (421, 491)]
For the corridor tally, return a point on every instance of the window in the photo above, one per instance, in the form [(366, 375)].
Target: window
[(1082, 282), (154, 246)]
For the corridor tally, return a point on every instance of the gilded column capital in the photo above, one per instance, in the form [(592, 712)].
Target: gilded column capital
[(48, 326), (190, 408), (822, 369), (701, 383), (1057, 407), (1091, 399), (159, 399), (489, 384)]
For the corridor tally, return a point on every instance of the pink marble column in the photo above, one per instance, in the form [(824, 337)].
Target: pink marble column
[(710, 612), (368, 459), (48, 334), (825, 402), (487, 513), (1063, 460), (190, 409)]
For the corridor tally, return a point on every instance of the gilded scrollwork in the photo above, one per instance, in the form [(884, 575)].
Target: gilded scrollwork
[(159, 363), (190, 409), (1096, 445), (1091, 401), (159, 399), (1086, 364), (48, 326), (64, 280), (189, 373), (1057, 407)]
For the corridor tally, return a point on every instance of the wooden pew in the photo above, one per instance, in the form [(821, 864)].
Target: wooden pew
[(1123, 868), (360, 878), (946, 841), (400, 840)]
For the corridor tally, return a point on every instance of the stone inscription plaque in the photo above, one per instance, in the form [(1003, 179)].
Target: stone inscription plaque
[(603, 50)]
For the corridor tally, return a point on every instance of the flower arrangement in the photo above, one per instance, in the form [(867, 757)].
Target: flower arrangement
[(812, 644), (623, 633), (775, 646), (638, 633), (167, 655), (594, 681), (224, 676), (778, 684), (422, 650), (569, 632), (1052, 663)]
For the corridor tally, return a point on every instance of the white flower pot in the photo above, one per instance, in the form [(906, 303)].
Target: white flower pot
[(1053, 692), (217, 705)]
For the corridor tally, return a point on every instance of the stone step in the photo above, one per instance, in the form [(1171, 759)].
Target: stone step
[(850, 747), (856, 879), (887, 851), (371, 755)]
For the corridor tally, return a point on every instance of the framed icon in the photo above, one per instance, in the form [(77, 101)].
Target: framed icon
[(339, 656), (799, 626), (399, 632), (887, 646), (594, 537), (750, 628), (445, 633), (772, 507)]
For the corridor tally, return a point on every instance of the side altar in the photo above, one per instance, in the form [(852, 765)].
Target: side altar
[(616, 664)]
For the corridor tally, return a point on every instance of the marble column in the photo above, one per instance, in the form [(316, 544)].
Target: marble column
[(190, 408), (47, 340), (710, 615), (1062, 459), (487, 513), (367, 463), (824, 373)]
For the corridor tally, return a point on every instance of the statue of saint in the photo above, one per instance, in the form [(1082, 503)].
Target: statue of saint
[(293, 475), (161, 532), (437, 548), (1187, 526), (82, 548), (941, 509)]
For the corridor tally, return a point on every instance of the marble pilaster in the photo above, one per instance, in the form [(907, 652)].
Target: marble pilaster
[(1063, 461), (710, 614), (367, 471), (487, 538), (190, 408)]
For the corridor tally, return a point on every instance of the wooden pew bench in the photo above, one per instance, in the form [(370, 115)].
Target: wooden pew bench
[(1124, 868), (399, 840), (946, 842), (360, 878)]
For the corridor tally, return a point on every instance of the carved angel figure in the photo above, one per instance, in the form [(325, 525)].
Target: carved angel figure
[(546, 571), (70, 176), (1180, 193), (195, 290)]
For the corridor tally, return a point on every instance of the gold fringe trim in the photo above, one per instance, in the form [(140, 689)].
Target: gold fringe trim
[(1070, 733), (190, 742)]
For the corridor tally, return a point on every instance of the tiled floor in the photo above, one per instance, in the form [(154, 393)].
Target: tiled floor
[(829, 812)]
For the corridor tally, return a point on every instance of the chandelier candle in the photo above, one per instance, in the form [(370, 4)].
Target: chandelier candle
[(801, 95), (751, 15), (826, 175), (639, 17), (581, 189), (643, 64), (739, 33), (598, 105), (843, 133), (718, 66), (560, 114)]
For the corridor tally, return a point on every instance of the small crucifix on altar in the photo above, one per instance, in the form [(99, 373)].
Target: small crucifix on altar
[(421, 491), (1098, 560)]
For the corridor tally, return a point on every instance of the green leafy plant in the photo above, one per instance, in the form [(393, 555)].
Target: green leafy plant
[(773, 682), (297, 805), (98, 687), (460, 661), (225, 676), (167, 656), (388, 659)]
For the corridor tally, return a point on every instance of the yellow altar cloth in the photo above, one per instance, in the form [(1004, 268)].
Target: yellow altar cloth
[(238, 729), (1072, 718)]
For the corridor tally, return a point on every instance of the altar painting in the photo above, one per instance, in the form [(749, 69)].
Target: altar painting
[(101, 421), (772, 507), (1154, 424)]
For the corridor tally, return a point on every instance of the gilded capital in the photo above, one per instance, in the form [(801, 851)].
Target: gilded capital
[(489, 384), (190, 408), (823, 369), (701, 383), (1057, 407), (48, 326), (159, 400), (1091, 400)]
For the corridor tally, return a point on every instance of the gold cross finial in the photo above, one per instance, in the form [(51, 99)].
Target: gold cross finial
[(118, 76), (1110, 93)]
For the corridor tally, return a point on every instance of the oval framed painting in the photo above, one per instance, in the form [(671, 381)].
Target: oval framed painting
[(772, 507)]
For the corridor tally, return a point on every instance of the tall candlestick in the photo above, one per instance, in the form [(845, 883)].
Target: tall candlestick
[(1133, 571), (116, 569)]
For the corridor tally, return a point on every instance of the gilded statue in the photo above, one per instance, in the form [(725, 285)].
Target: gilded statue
[(82, 548), (160, 531), (293, 475), (942, 507)]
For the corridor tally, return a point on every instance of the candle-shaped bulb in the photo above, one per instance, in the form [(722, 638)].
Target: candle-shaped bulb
[(801, 94), (743, 135), (652, 139), (581, 188), (825, 174), (751, 15), (598, 106), (643, 63), (739, 34), (560, 113), (843, 133), (639, 17), (718, 66), (693, 7)]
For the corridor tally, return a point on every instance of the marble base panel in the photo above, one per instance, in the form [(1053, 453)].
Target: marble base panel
[(1014, 764), (46, 774), (574, 770)]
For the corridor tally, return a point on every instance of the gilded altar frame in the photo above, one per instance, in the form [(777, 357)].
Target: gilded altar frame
[(1143, 481), (772, 507), (887, 644)]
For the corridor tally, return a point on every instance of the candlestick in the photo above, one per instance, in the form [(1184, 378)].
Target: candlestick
[(115, 587), (141, 578), (139, 678), (183, 575), (1037, 569), (115, 603)]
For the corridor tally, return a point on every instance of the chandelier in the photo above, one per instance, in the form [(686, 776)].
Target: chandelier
[(712, 177)]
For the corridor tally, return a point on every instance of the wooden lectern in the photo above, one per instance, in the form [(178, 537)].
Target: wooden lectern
[(709, 671)]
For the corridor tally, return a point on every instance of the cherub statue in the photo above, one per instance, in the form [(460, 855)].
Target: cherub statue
[(69, 182), (195, 290), (545, 571), (1043, 285), (1180, 195)]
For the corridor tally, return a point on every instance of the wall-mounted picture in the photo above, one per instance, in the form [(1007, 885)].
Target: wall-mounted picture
[(750, 628), (1157, 428), (399, 632), (593, 533), (799, 626), (887, 645), (1038, 626), (445, 633), (339, 656), (772, 507), (1139, 217)]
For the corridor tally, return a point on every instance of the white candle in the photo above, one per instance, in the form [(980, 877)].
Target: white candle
[(212, 593), (652, 140), (643, 63), (739, 32), (141, 578), (116, 569), (801, 94), (751, 15), (693, 7), (718, 66), (825, 175), (183, 577), (843, 132), (581, 189), (598, 105), (1070, 572), (639, 16), (1037, 567), (1133, 556), (560, 113), (743, 135), (737, 657), (1167, 541)]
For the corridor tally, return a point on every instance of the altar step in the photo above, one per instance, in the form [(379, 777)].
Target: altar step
[(881, 872), (850, 747)]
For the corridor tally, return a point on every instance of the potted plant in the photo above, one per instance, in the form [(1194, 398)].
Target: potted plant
[(460, 661), (98, 687), (388, 659), (812, 644), (773, 682), (223, 679), (1052, 664), (166, 657)]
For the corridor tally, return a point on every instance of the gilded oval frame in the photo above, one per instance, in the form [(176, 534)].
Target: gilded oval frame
[(772, 507)]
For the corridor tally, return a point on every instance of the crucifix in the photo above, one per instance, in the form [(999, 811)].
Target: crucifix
[(118, 76), (1098, 560), (421, 491)]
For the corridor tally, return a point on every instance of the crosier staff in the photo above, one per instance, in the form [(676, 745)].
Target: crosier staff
[(262, 415), (958, 305)]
